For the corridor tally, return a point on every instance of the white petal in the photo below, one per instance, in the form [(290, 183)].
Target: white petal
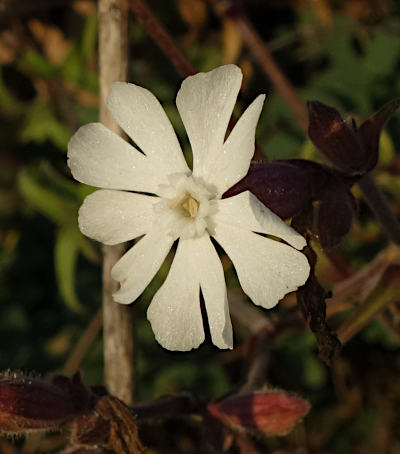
[(138, 266), (113, 217), (230, 165), (267, 270), (205, 103), (174, 313), (142, 117), (101, 158), (246, 212), (212, 283)]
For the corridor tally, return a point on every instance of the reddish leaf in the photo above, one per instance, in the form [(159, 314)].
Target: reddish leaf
[(29, 404)]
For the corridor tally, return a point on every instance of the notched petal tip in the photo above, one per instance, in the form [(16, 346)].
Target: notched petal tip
[(120, 297), (176, 345), (224, 344), (118, 91), (168, 336), (230, 70)]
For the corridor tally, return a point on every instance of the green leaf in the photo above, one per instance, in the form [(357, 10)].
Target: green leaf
[(72, 190), (75, 66), (308, 151), (65, 259), (387, 152), (7, 101), (33, 61), (41, 124), (281, 146), (88, 250), (382, 54), (50, 204), (89, 37), (315, 374)]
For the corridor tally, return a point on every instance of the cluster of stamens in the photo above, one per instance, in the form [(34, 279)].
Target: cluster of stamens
[(189, 206)]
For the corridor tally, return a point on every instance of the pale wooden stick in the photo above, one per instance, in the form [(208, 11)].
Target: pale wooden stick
[(117, 319)]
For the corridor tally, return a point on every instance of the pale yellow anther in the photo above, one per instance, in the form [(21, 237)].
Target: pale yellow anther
[(191, 205)]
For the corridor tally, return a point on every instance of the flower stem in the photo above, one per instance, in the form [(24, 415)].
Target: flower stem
[(117, 319), (380, 207), (161, 37)]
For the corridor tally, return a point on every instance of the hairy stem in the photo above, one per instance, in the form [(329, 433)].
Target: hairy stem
[(117, 319)]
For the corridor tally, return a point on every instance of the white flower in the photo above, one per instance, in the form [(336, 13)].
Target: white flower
[(185, 205)]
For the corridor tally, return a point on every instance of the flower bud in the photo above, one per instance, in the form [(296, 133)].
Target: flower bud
[(76, 389), (268, 413), (28, 404), (352, 149), (335, 138)]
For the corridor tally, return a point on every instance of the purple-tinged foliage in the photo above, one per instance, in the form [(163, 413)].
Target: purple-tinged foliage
[(30, 404), (282, 187), (289, 187), (352, 149), (335, 138), (96, 420), (334, 214)]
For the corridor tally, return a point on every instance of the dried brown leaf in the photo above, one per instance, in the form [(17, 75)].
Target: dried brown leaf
[(124, 436), (54, 44)]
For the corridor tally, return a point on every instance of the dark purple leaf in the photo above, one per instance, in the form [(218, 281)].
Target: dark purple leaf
[(283, 188), (335, 214)]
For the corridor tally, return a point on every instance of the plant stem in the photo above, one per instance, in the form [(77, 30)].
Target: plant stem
[(161, 37), (168, 406), (117, 319), (385, 294), (380, 207), (260, 51), (75, 358)]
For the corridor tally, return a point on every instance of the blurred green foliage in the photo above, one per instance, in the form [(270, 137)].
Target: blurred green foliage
[(50, 273)]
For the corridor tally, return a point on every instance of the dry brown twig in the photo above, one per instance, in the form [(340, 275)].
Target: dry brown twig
[(117, 319), (75, 358), (261, 53), (161, 37)]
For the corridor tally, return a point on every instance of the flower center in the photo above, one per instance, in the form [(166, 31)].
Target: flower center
[(191, 206), (188, 205)]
